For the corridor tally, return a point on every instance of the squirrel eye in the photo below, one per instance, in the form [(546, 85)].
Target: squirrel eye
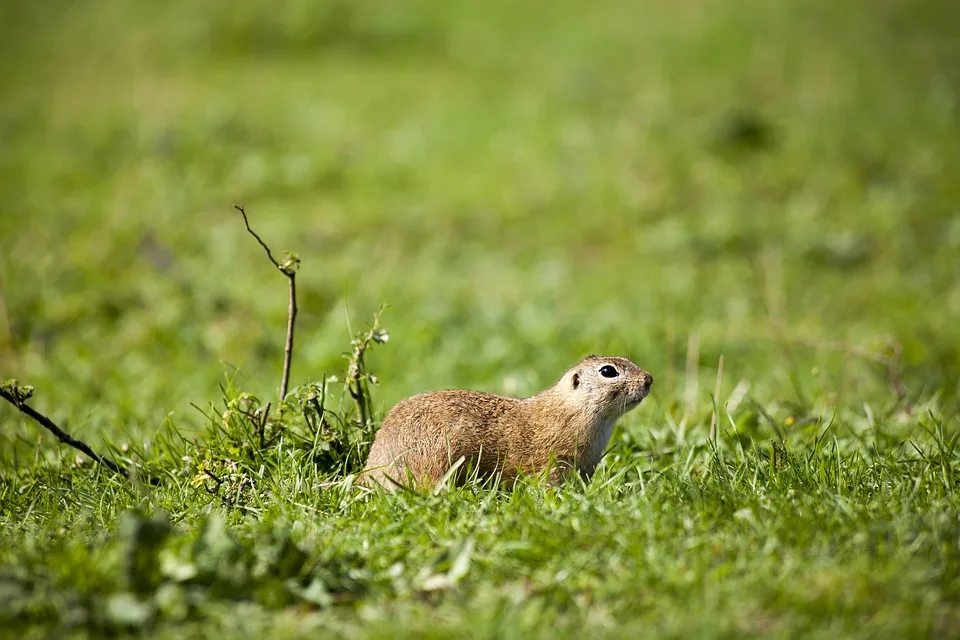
[(609, 371)]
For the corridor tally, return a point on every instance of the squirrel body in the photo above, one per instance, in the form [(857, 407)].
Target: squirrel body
[(562, 428)]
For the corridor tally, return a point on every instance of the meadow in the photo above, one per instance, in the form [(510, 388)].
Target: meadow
[(770, 184)]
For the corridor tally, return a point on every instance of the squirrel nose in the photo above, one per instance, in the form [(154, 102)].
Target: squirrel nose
[(647, 379)]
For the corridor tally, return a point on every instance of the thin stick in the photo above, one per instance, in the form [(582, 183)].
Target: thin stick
[(246, 223), (288, 348), (62, 435), (716, 401), (289, 269)]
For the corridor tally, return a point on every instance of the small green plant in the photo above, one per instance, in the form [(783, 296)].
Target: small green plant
[(359, 380), (244, 442)]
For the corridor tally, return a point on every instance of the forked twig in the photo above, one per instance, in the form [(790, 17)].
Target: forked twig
[(288, 268)]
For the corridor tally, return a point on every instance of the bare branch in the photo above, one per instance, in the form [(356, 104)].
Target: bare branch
[(17, 395), (246, 223), (288, 268), (288, 347)]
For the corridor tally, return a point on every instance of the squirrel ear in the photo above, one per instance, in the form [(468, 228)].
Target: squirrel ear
[(576, 380)]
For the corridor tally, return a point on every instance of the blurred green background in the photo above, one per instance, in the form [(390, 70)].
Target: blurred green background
[(523, 183), (774, 182)]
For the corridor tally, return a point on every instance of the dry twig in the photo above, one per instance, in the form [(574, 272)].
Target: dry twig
[(288, 268), (17, 395)]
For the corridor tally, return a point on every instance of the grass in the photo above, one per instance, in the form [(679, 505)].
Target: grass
[(672, 181)]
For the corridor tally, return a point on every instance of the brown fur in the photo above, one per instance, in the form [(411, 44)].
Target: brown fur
[(568, 424)]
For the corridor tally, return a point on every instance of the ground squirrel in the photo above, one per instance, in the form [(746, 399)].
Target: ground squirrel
[(564, 427)]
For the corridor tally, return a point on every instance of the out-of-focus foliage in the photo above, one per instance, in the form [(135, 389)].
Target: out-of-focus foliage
[(523, 183)]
